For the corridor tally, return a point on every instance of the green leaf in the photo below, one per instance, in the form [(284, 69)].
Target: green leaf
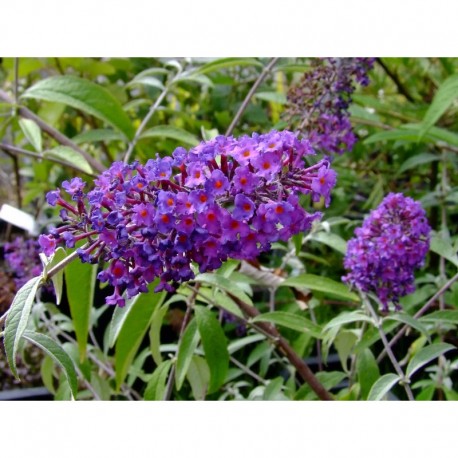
[(290, 321), (97, 135), (155, 332), (58, 278), (416, 160), (344, 344), (80, 280), (347, 317), (367, 370), (381, 387), (443, 248), (198, 376), (425, 355), (408, 135), (173, 132), (46, 372), (273, 390), (70, 156), (16, 321), (322, 284), (224, 301), (225, 284), (327, 379), (238, 344), (186, 350), (228, 62), (155, 389), (58, 354), (193, 78), (215, 346), (426, 394), (32, 132), (332, 240), (133, 330), (441, 316), (444, 98), (410, 321), (84, 95), (147, 81), (274, 97)]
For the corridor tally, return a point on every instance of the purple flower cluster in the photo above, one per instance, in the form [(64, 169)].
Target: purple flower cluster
[(225, 198), (319, 102), (392, 242), (22, 260)]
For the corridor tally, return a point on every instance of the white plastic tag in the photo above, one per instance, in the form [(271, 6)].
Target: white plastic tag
[(19, 218)]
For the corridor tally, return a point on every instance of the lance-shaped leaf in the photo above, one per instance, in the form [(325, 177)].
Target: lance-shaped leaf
[(215, 346), (17, 319), (322, 284), (381, 387), (80, 281), (58, 354)]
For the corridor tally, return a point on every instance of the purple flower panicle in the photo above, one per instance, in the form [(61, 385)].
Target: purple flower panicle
[(319, 102), (225, 198), (392, 242)]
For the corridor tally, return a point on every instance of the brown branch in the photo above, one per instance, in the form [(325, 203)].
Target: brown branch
[(54, 133)]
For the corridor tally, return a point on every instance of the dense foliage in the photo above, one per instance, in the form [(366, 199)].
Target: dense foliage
[(194, 218)]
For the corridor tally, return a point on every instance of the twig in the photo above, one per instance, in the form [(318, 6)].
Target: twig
[(396, 80), (397, 367), (58, 136), (144, 123), (421, 312), (247, 370), (250, 94), (62, 264), (14, 151), (187, 317)]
